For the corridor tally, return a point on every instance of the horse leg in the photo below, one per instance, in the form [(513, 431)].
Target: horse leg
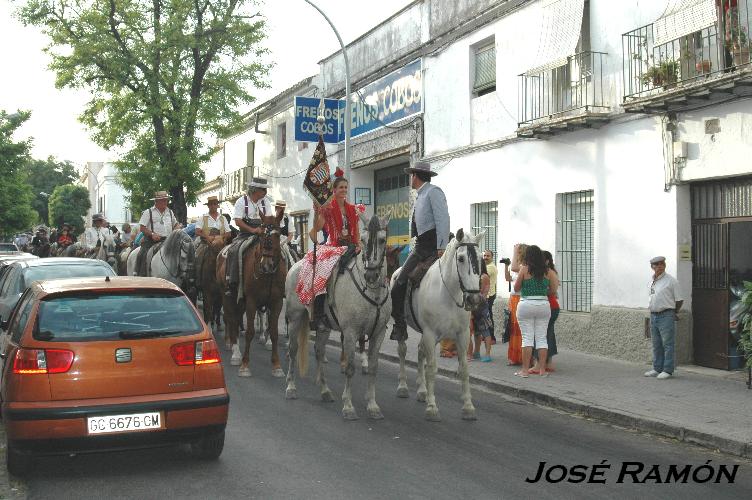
[(322, 338), (260, 327), (421, 378), (363, 355), (402, 391), (274, 336), (268, 330), (342, 357), (374, 347), (468, 410), (348, 410), (429, 348), (299, 321), (231, 330), (250, 313)]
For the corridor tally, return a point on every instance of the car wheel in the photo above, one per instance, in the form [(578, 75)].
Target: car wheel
[(209, 447), (17, 463)]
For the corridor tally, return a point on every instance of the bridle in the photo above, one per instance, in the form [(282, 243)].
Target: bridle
[(267, 251), (465, 290)]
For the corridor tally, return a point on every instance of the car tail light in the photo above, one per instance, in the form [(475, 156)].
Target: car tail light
[(195, 353), (30, 361)]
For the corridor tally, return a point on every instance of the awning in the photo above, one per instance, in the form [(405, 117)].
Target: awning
[(683, 17), (561, 23)]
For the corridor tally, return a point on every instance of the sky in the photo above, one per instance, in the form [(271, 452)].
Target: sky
[(27, 84)]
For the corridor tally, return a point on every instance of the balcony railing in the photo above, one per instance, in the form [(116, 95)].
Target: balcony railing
[(716, 49), (234, 182), (578, 84)]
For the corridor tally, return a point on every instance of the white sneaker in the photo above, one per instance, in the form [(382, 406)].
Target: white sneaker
[(651, 373), (663, 376)]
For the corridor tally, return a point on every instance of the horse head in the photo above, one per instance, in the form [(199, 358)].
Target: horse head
[(271, 249), (464, 251), (373, 240), (108, 250)]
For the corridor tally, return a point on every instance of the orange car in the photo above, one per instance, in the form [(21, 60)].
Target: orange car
[(97, 364)]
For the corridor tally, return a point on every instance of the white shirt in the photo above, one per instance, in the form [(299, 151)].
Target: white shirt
[(163, 221), (664, 293), (264, 206), (220, 223), (94, 234), (514, 280)]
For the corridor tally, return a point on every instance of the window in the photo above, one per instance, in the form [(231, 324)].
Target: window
[(484, 68), (250, 152), (22, 317), (282, 140), (300, 221), (483, 217), (574, 249)]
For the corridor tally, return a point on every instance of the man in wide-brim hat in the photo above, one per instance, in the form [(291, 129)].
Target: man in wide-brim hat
[(212, 222), (156, 223), (430, 227), (96, 234)]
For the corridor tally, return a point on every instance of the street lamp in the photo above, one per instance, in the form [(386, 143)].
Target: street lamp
[(348, 109)]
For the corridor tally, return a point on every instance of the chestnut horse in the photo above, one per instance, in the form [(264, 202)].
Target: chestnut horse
[(264, 271), (206, 273)]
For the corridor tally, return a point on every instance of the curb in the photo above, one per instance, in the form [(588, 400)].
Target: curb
[(609, 415)]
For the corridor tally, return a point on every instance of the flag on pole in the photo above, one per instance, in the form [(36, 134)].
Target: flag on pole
[(318, 181)]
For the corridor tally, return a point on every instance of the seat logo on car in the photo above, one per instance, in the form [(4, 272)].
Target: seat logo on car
[(123, 355)]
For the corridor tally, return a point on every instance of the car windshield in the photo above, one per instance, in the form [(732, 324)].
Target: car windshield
[(59, 271), (8, 247), (110, 316)]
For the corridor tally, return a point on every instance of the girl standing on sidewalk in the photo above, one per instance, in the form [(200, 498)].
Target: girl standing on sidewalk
[(514, 351), (550, 335)]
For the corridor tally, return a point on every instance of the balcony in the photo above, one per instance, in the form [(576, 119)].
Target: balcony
[(709, 65), (564, 98), (234, 183)]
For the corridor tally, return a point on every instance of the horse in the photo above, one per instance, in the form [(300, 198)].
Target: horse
[(106, 251), (122, 259), (206, 267), (392, 263), (173, 261), (359, 304), (440, 308), (264, 270)]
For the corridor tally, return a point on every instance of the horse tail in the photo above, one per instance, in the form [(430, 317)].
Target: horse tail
[(303, 348)]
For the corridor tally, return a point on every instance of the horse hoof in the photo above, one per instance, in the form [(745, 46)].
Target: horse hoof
[(268, 345), (402, 392), (421, 396), (228, 345), (327, 397), (364, 370), (235, 360), (375, 414), (278, 373), (349, 414), (433, 415), (469, 414), (291, 394), (244, 372)]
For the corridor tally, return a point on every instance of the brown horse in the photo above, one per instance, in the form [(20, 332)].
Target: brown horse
[(206, 273), (264, 272)]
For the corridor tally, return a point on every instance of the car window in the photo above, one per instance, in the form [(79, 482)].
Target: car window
[(21, 318), (8, 281), (59, 271), (106, 316)]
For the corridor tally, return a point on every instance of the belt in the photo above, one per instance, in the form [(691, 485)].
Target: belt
[(535, 297), (663, 311)]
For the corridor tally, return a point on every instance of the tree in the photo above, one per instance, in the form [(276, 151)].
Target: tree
[(69, 203), (162, 74), (44, 176), (16, 213)]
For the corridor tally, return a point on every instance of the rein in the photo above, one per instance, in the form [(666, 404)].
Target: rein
[(464, 290)]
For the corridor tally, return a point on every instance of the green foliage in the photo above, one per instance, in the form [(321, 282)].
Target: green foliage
[(44, 176), (745, 343), (665, 73), (162, 75), (69, 203), (16, 213)]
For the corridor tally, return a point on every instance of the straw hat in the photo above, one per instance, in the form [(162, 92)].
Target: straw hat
[(211, 199), (280, 203), (161, 195), (259, 183)]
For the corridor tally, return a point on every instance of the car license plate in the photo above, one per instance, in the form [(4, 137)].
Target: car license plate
[(124, 423)]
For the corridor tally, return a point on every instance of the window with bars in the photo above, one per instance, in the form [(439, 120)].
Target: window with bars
[(484, 68), (574, 249), (484, 217)]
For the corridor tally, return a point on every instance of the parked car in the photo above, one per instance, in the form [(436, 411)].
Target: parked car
[(21, 273), (8, 247), (98, 364)]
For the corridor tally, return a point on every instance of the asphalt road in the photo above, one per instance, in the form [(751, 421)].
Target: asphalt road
[(277, 448)]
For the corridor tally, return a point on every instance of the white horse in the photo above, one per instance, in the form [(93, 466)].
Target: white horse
[(174, 262), (440, 309), (106, 251), (360, 302)]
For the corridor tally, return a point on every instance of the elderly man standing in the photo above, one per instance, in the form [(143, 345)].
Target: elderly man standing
[(430, 227), (249, 209), (665, 302), (156, 224)]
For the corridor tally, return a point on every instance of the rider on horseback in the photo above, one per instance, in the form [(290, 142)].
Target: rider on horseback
[(156, 223), (212, 224), (66, 237), (430, 227), (94, 236)]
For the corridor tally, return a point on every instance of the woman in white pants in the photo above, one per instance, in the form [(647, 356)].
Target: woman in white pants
[(534, 283)]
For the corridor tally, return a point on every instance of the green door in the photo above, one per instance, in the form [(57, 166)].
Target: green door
[(392, 187)]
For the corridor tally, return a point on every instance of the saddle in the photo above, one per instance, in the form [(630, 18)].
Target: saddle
[(417, 274)]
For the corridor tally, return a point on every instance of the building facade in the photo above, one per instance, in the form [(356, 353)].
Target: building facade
[(106, 195), (606, 132)]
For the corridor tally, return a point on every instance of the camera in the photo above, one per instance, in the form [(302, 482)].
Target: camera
[(505, 261)]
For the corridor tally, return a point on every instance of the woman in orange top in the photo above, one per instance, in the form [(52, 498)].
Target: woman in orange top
[(514, 351)]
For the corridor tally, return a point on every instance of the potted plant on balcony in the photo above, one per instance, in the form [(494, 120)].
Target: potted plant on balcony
[(703, 66), (737, 44), (665, 74)]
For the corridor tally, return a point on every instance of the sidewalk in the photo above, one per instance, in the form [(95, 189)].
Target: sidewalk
[(711, 408)]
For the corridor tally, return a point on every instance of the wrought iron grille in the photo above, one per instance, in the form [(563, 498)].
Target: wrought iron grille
[(575, 85), (722, 199), (234, 182), (650, 68), (709, 243), (574, 249), (485, 218)]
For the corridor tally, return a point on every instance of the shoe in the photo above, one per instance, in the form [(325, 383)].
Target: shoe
[(651, 373), (534, 371), (663, 376), (550, 370), (486, 359), (521, 375)]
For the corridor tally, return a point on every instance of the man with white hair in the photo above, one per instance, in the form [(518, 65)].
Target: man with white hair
[(156, 224)]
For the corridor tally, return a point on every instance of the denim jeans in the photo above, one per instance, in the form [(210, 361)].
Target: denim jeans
[(663, 334)]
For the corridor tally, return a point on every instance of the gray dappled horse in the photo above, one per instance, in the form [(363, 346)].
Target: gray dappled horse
[(442, 303), (360, 302), (106, 251), (173, 261)]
